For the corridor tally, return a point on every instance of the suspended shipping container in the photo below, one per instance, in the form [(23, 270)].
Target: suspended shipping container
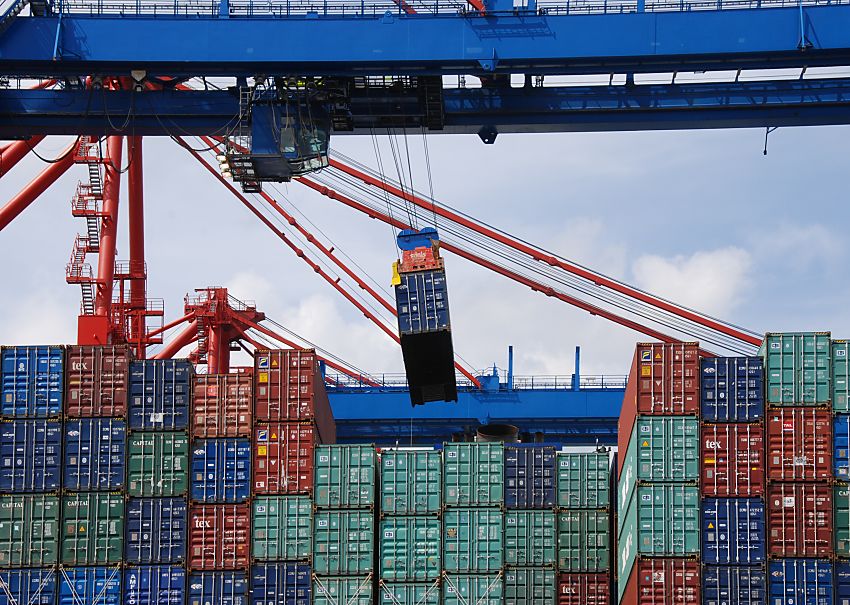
[(160, 390), (90, 585), (479, 588), (280, 584), (158, 464), (29, 530), (97, 380), (221, 470), (95, 450), (841, 442), (798, 368), (584, 589), (799, 519), (734, 584), (530, 538), (733, 460), (662, 582), (343, 542), (473, 474), (473, 540), (33, 381), (28, 586), (154, 585), (584, 480), (346, 590), (733, 531), (222, 405), (411, 482), (841, 519), (530, 586), (799, 444), (584, 543), (219, 536), (732, 389), (282, 529), (218, 588), (345, 476), (410, 549), (30, 455), (800, 582), (530, 478), (92, 528), (156, 530), (409, 593), (283, 458)]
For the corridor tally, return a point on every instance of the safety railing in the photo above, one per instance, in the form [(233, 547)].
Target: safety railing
[(520, 383)]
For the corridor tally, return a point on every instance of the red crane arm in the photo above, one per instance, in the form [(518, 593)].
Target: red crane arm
[(187, 335), (13, 153)]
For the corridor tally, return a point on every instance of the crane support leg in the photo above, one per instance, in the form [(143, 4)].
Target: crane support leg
[(136, 220), (13, 153), (109, 229), (38, 186)]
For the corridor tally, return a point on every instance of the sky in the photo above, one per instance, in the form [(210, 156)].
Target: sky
[(700, 217)]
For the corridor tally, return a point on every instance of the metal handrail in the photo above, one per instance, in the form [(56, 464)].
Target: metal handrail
[(552, 382)]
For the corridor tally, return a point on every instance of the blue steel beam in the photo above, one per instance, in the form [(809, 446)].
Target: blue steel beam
[(641, 107), (195, 44)]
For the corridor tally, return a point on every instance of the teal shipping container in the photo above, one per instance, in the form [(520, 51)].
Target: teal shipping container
[(798, 368), (346, 590), (343, 542), (473, 474), (473, 540), (530, 537), (344, 476), (584, 480), (410, 549), (841, 375), (584, 541), (409, 593), (841, 520), (411, 482), (479, 589), (530, 586), (282, 528)]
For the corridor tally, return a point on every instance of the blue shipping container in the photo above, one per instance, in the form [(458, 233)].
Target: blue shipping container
[(800, 582), (156, 530), (842, 583), (95, 451), (221, 470), (732, 389), (530, 477), (422, 302), (33, 381), (160, 390), (154, 585), (30, 455), (276, 583), (218, 588), (841, 439), (90, 585), (733, 531), (738, 584), (27, 587)]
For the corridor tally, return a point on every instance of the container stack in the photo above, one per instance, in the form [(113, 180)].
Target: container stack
[(473, 523), (410, 548), (584, 526), (658, 491), (798, 431), (733, 480), (157, 543), (31, 396), (841, 441)]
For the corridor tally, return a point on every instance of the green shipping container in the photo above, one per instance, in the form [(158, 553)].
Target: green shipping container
[(584, 480), (798, 368), (584, 541), (351, 590), (473, 590), (411, 482), (841, 524), (662, 520), (29, 530), (472, 539), (345, 476), (530, 537), (282, 528), (92, 528), (416, 593), (474, 474), (841, 375), (530, 586), (158, 464), (343, 542), (410, 549)]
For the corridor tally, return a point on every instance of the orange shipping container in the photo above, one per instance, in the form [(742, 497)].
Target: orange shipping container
[(799, 519), (732, 460), (799, 444), (97, 379), (663, 582), (219, 536), (222, 405), (283, 458)]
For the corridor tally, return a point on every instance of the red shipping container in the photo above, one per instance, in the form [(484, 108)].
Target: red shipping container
[(663, 380), (283, 458), (799, 519), (219, 536), (96, 380), (289, 387), (222, 405), (799, 444), (584, 589), (732, 460), (663, 582)]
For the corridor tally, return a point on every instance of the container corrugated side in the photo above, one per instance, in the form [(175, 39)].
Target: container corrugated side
[(841, 375), (283, 458), (221, 470), (345, 476), (336, 590), (584, 480), (411, 482), (473, 540), (841, 443), (530, 586), (95, 453), (584, 589), (30, 455), (32, 381), (733, 459), (29, 530), (841, 579), (218, 588), (343, 542), (530, 538), (422, 302), (92, 528), (841, 519), (799, 519), (409, 593), (733, 531), (222, 405), (798, 368), (160, 390), (739, 584), (219, 536), (282, 528), (732, 389), (584, 541), (473, 474), (530, 477), (90, 585), (280, 583), (410, 549), (97, 380), (799, 444), (154, 585), (482, 589), (30, 586), (804, 581), (156, 530), (661, 582), (158, 464)]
